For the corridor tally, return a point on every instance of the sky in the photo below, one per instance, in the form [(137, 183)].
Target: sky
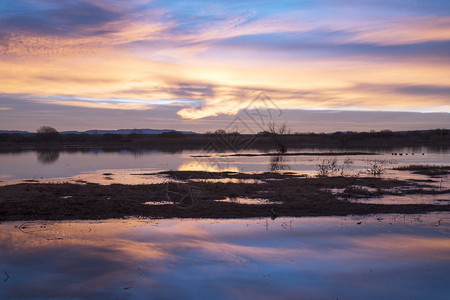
[(319, 66)]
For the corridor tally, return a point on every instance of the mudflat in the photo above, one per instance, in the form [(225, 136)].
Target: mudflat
[(193, 194)]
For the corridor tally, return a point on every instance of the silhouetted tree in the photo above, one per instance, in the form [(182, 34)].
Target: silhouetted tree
[(47, 134), (220, 132), (264, 133)]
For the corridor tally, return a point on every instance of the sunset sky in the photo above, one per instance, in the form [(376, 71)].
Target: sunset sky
[(194, 65)]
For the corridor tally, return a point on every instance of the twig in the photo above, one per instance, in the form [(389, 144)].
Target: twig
[(7, 277)]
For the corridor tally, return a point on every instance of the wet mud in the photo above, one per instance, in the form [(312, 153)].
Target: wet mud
[(286, 194)]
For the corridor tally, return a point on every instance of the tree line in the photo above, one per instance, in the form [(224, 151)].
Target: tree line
[(47, 135)]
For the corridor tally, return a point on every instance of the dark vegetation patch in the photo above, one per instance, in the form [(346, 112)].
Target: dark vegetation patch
[(359, 192), (423, 180), (430, 170), (300, 197)]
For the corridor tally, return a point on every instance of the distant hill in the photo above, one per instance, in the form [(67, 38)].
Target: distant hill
[(14, 131), (118, 131)]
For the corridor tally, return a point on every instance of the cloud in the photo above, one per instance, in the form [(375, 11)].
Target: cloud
[(208, 89), (356, 97), (401, 31), (74, 18), (206, 59), (81, 27), (27, 114)]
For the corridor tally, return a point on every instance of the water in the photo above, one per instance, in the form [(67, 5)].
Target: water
[(372, 257), (51, 164)]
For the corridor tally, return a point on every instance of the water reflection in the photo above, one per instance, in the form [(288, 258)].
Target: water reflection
[(72, 162), (215, 166), (278, 163), (47, 156), (375, 257), (248, 201)]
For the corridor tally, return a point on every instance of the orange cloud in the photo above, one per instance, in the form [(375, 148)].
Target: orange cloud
[(143, 58)]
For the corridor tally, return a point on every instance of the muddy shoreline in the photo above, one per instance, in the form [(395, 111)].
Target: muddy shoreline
[(298, 195)]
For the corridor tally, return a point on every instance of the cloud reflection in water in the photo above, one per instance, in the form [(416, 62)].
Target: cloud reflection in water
[(315, 258)]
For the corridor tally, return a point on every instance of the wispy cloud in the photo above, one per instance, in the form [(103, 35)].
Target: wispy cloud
[(98, 103)]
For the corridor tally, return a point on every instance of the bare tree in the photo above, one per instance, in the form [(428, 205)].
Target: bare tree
[(272, 127), (278, 131)]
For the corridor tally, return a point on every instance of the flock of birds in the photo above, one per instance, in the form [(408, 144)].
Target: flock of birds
[(395, 153)]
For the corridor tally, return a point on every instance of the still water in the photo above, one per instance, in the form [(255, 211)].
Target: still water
[(371, 257), (51, 164)]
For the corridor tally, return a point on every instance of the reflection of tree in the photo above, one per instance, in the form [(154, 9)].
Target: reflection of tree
[(47, 156), (277, 163), (137, 153)]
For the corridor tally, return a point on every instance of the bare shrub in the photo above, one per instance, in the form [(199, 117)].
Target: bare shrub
[(375, 167), (330, 167)]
